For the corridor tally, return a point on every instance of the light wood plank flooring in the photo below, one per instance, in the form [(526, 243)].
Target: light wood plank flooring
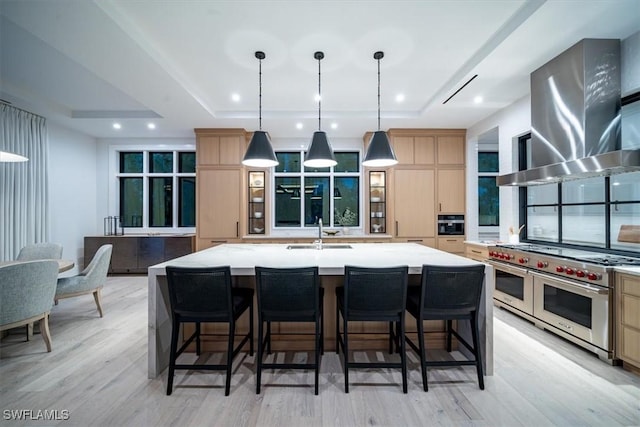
[(97, 372)]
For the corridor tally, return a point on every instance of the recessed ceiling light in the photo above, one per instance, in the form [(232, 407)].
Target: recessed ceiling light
[(235, 97), (400, 97), (334, 125), (299, 125), (478, 100), (117, 126), (317, 97), (151, 125)]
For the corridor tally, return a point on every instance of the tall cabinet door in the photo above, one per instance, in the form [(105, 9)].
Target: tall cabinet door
[(451, 191), (414, 194), (219, 203)]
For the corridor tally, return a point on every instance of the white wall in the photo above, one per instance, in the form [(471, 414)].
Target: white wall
[(72, 190), (512, 122)]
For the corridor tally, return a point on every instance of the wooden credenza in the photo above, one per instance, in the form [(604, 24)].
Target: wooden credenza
[(135, 254)]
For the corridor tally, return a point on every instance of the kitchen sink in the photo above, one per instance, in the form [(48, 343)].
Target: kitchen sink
[(324, 246)]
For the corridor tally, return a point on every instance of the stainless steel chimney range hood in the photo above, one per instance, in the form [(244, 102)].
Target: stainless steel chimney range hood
[(575, 117)]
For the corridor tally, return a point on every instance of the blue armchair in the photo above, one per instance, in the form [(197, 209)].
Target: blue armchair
[(26, 295), (39, 251), (89, 281)]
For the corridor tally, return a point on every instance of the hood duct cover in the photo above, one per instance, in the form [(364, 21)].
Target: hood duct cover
[(575, 117)]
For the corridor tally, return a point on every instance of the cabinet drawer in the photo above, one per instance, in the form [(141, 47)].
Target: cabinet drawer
[(451, 245), (630, 345), (630, 311), (477, 253), (629, 284)]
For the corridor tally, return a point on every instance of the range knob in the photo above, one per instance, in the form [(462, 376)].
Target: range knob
[(580, 273), (503, 256), (594, 276), (491, 253), (543, 264), (559, 269), (569, 271), (523, 260)]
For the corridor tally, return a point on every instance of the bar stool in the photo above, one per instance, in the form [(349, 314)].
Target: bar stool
[(205, 295), (448, 293), (373, 294), (289, 295)]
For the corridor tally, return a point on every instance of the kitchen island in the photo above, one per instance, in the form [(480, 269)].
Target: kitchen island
[(243, 258)]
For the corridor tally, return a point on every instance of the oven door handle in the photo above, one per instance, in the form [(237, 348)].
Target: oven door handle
[(576, 285), (517, 271)]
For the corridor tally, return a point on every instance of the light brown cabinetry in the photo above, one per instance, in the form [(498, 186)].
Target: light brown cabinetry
[(628, 318), (454, 245), (218, 205), (220, 147), (428, 180), (451, 191), (220, 186), (477, 252), (414, 193)]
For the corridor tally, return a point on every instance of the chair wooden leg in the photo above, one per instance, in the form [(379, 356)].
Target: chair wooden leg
[(29, 331), (251, 328), (476, 346), (318, 350), (232, 331), (423, 354), (346, 357), (98, 298), (403, 356), (198, 338), (175, 330), (44, 330), (259, 357)]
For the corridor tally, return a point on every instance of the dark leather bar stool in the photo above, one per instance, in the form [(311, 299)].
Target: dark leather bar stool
[(448, 293), (199, 295), (289, 295), (373, 294)]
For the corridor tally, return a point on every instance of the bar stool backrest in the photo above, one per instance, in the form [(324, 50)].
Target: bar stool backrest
[(452, 287), (288, 292), (201, 292), (381, 291)]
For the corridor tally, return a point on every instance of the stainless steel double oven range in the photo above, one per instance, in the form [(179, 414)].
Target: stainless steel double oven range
[(566, 291)]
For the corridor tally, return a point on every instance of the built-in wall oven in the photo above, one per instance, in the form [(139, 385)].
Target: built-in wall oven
[(566, 291)]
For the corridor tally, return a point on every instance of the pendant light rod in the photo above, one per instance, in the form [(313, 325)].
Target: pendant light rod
[(319, 56), (378, 56), (379, 152), (260, 152), (260, 55)]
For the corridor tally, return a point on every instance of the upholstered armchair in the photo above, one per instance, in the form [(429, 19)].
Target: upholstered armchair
[(26, 295), (89, 281), (40, 251)]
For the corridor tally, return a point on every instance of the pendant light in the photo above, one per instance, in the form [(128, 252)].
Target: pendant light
[(379, 153), (319, 154), (260, 151)]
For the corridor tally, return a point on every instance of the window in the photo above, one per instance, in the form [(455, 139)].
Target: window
[(305, 195), (588, 212), (488, 194), (157, 188)]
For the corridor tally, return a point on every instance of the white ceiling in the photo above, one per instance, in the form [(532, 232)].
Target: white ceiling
[(87, 64)]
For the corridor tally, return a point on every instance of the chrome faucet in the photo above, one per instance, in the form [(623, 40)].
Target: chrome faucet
[(319, 241)]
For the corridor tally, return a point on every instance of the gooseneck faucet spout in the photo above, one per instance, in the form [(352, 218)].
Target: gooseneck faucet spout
[(319, 241)]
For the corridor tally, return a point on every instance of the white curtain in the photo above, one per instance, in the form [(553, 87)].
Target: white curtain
[(24, 192)]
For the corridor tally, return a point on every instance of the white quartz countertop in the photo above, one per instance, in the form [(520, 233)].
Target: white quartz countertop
[(243, 258), (628, 270)]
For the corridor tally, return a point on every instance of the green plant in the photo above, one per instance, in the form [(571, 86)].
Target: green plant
[(348, 217)]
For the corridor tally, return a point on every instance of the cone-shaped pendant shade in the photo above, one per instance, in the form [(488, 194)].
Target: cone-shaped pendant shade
[(379, 153), (320, 154), (260, 151)]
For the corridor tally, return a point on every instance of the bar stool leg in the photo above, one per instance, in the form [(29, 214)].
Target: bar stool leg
[(476, 346), (259, 357), (423, 353)]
